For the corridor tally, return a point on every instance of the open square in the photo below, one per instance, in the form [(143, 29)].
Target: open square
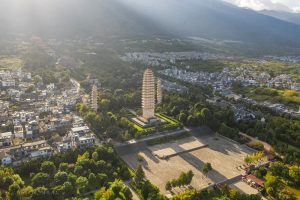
[(225, 156), (170, 149)]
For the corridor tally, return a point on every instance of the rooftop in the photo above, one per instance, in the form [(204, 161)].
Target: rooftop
[(78, 129), (6, 135)]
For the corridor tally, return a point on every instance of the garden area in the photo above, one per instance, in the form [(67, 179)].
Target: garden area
[(166, 123)]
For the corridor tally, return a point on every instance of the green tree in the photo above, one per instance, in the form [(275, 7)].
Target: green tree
[(40, 179), (117, 186), (139, 175), (7, 181), (104, 104), (182, 117), (69, 190), (60, 178), (58, 192), (41, 193), (206, 115), (13, 191), (18, 180), (82, 184), (93, 181), (84, 156), (285, 195), (98, 195), (207, 168), (25, 193), (127, 193), (48, 167), (82, 108), (273, 185), (149, 191), (168, 186), (72, 178), (102, 178), (78, 170), (294, 174), (95, 156), (109, 194), (279, 169), (63, 167)]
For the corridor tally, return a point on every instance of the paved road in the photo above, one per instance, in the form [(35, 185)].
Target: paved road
[(76, 84), (267, 146), (134, 146), (227, 182), (151, 137), (134, 195)]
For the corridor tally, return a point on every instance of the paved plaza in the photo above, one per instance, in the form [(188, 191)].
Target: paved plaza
[(224, 155), (176, 147)]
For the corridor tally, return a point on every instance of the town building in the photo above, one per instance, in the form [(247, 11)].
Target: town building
[(295, 86), (5, 158), (5, 139), (42, 152), (65, 145), (18, 131)]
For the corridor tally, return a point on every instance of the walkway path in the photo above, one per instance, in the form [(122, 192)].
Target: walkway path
[(134, 195), (267, 146), (151, 137)]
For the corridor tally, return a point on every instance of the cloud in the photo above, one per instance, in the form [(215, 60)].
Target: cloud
[(296, 9), (282, 5)]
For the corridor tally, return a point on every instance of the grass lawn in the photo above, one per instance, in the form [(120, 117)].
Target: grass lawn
[(138, 128), (168, 119)]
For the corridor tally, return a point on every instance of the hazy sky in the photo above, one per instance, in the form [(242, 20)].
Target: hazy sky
[(284, 5)]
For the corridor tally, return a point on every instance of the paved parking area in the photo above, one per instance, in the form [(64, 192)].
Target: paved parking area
[(244, 187)]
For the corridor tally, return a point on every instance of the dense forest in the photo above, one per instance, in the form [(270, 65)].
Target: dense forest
[(72, 174)]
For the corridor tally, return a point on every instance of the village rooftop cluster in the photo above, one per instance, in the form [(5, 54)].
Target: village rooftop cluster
[(41, 116), (221, 82)]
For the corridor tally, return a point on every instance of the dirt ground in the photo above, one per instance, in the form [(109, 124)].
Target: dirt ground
[(224, 156)]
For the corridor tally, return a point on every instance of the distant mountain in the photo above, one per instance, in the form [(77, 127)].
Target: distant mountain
[(211, 19), (73, 18), (286, 16)]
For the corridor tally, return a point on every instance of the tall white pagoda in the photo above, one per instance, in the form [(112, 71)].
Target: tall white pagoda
[(148, 95), (94, 98)]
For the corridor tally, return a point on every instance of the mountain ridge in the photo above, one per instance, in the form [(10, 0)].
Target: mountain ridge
[(140, 18), (285, 16)]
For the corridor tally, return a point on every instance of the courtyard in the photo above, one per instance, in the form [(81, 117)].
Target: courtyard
[(224, 155)]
